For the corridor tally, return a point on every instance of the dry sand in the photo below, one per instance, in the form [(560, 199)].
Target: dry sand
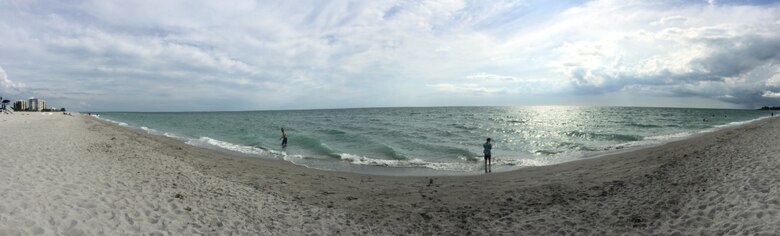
[(75, 175)]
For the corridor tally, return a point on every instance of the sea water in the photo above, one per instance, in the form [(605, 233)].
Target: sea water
[(433, 140)]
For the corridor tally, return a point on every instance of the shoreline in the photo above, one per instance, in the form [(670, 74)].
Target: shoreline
[(348, 166), (715, 183)]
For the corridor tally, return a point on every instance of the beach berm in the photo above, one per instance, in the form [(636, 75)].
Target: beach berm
[(76, 175)]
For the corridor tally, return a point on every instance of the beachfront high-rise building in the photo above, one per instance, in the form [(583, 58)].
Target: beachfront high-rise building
[(20, 105), (32, 104), (36, 104)]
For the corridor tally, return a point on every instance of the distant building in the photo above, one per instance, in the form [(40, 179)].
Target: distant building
[(20, 105), (36, 104), (32, 104)]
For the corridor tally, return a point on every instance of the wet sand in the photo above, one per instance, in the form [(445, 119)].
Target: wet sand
[(92, 177)]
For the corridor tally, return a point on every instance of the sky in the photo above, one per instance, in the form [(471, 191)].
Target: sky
[(178, 55)]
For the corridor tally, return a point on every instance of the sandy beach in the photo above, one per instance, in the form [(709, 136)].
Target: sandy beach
[(76, 175)]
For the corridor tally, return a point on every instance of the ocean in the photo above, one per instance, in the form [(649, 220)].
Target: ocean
[(433, 140)]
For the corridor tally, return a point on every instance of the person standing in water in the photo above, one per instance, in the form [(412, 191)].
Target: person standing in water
[(487, 147), (284, 138)]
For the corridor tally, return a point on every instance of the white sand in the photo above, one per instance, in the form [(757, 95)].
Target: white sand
[(63, 175)]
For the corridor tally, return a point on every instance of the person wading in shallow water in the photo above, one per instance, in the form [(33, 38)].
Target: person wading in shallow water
[(487, 146), (284, 138)]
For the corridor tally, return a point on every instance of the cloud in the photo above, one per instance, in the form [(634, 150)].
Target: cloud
[(486, 77), (671, 21), (487, 84), (206, 55), (774, 81), (770, 94), (7, 86), (714, 58), (469, 89)]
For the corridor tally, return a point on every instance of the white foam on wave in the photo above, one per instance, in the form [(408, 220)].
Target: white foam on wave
[(714, 128), (661, 139), (669, 136), (206, 142), (284, 156), (210, 142), (110, 121), (362, 160), (652, 140), (735, 123), (523, 162), (278, 153), (465, 164), (415, 162), (166, 134)]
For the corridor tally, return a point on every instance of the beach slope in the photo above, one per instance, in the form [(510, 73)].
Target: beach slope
[(75, 175)]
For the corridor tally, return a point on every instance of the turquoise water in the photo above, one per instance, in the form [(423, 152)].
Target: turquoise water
[(433, 140)]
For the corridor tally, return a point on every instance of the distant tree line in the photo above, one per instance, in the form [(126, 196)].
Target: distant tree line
[(769, 108)]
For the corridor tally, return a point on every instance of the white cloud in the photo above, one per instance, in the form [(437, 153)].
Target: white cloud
[(8, 86), (671, 21), (770, 94), (470, 89), (686, 51), (493, 77), (774, 81), (288, 54)]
